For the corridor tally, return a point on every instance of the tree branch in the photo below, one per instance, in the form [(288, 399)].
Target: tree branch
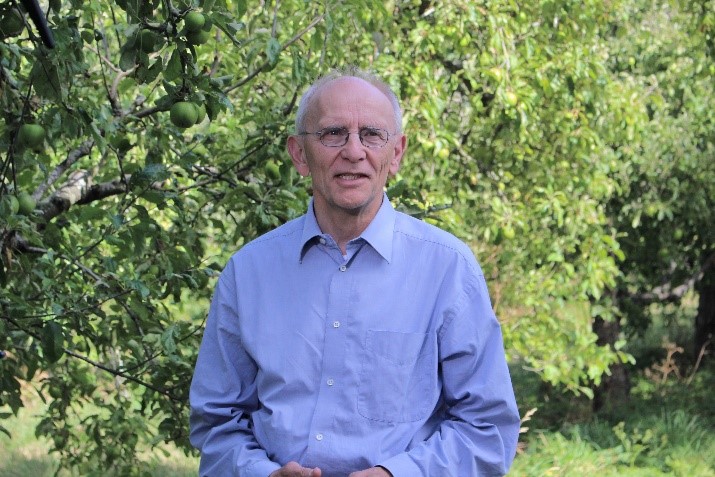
[(79, 192), (297, 37), (83, 150), (668, 293), (97, 364)]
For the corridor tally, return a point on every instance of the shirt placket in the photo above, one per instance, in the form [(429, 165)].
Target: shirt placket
[(339, 314)]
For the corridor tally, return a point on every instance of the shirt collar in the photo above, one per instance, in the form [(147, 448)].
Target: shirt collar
[(378, 234)]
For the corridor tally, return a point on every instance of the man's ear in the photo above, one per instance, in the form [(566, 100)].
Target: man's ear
[(297, 155), (399, 152)]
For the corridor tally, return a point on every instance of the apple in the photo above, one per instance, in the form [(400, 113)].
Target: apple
[(148, 40), (198, 37), (508, 232), (511, 98), (31, 136), (201, 107), (26, 204), (184, 114), (194, 21), (11, 23)]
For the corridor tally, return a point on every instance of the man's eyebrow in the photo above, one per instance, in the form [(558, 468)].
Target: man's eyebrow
[(334, 126)]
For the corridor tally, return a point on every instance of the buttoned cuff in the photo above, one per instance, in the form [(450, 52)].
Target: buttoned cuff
[(262, 468)]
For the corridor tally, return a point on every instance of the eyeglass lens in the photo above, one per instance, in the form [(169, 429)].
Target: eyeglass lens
[(369, 137)]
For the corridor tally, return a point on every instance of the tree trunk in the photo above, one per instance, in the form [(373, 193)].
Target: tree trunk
[(705, 319), (614, 390)]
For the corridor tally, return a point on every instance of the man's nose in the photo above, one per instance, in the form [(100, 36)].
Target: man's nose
[(353, 150)]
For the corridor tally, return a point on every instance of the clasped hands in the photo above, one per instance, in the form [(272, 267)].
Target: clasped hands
[(293, 469)]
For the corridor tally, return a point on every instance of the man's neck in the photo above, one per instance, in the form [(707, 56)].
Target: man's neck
[(343, 226)]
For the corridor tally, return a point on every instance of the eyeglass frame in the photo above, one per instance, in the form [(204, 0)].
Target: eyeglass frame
[(320, 132)]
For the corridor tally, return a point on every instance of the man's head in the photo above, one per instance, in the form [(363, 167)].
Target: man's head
[(314, 90), (349, 140)]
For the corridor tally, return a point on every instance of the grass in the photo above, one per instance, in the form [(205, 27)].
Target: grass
[(666, 429), (24, 455)]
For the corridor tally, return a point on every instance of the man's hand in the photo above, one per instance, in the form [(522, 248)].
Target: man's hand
[(294, 469), (372, 472)]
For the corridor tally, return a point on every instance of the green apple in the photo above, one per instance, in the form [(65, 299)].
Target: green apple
[(31, 136), (201, 107), (26, 204), (184, 114), (508, 232), (194, 21), (11, 23), (148, 40), (511, 98), (198, 37)]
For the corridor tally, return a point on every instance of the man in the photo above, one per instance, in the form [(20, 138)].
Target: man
[(355, 340)]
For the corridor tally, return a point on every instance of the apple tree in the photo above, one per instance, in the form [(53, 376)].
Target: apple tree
[(140, 148), (665, 209)]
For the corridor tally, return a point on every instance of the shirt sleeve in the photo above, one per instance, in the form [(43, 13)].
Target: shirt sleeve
[(223, 394), (480, 429)]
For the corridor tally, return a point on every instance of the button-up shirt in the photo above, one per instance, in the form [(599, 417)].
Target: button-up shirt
[(390, 355)]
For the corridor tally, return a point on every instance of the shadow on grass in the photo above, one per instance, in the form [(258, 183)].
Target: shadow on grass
[(22, 466), (667, 428)]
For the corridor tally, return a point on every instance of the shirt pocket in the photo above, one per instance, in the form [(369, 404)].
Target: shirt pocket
[(398, 377)]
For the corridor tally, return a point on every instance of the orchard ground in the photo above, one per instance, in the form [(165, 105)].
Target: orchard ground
[(666, 430)]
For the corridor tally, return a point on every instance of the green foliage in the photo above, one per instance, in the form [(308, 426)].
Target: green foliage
[(664, 211), (556, 137), (136, 215), (667, 433)]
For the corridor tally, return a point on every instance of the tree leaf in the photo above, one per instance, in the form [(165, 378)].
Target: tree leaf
[(52, 341)]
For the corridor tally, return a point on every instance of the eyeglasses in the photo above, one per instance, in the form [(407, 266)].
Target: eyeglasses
[(338, 136)]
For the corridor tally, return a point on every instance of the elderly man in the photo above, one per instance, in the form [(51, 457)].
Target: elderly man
[(355, 340)]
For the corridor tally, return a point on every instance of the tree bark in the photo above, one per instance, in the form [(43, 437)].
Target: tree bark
[(615, 388), (705, 319)]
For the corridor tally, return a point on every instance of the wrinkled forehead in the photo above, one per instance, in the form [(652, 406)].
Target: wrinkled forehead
[(350, 99)]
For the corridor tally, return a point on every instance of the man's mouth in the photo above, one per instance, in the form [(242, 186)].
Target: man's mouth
[(351, 177)]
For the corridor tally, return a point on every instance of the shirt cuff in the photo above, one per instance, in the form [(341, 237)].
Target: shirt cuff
[(262, 468), (385, 469), (401, 465)]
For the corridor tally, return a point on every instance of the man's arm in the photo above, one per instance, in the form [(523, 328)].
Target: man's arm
[(479, 434), (223, 394)]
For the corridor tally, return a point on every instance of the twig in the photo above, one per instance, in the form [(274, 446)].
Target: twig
[(96, 364), (297, 37), (701, 354), (666, 292)]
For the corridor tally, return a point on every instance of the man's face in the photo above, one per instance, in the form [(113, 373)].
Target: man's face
[(348, 179)]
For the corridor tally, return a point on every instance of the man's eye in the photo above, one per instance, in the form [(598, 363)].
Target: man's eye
[(373, 133), (334, 132)]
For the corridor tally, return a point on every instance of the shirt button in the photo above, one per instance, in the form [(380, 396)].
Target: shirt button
[(343, 268), (319, 437), (331, 382), (322, 241), (336, 324)]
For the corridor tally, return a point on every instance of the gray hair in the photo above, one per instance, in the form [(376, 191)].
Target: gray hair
[(347, 72)]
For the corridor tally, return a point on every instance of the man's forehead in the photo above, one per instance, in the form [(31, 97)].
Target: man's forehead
[(349, 95)]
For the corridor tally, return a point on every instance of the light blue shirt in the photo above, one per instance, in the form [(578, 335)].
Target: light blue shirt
[(390, 356)]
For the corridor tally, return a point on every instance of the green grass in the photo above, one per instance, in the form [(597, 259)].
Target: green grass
[(667, 429), (25, 455)]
